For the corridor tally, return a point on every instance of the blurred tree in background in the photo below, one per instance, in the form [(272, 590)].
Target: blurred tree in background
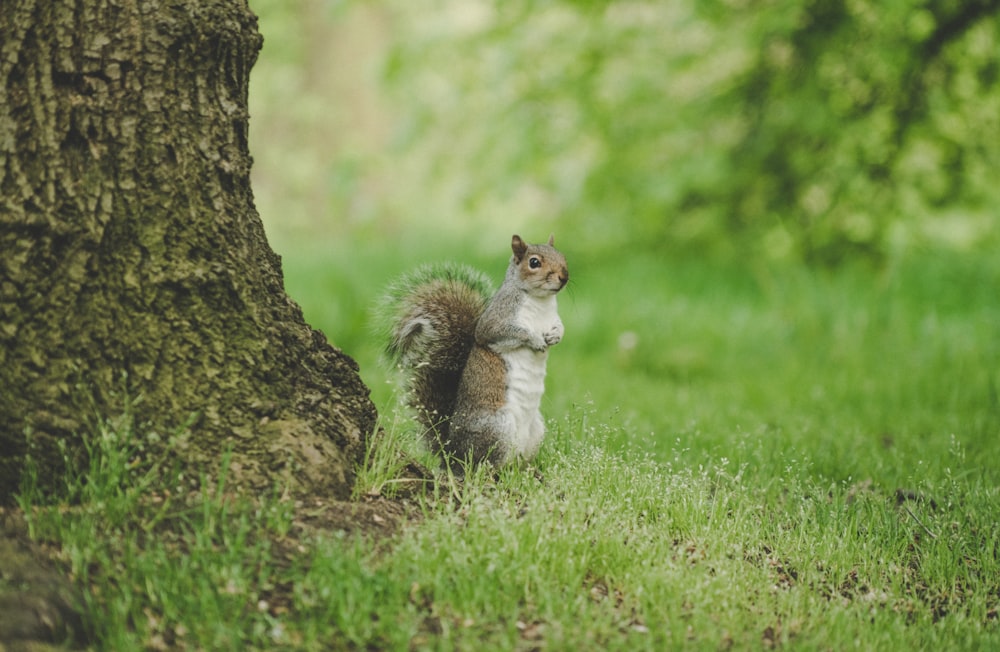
[(812, 129), (857, 114)]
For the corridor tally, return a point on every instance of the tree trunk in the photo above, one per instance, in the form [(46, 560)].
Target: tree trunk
[(130, 249)]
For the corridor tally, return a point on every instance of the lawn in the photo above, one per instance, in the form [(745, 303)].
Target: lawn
[(740, 455)]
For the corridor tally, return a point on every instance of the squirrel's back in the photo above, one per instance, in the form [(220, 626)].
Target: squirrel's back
[(431, 316)]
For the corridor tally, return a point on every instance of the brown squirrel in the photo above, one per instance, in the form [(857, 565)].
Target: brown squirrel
[(475, 363)]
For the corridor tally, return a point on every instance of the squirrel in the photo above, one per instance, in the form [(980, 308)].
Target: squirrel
[(474, 361)]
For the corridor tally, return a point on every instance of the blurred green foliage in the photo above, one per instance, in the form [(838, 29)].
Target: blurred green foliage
[(811, 128), (818, 130), (860, 114)]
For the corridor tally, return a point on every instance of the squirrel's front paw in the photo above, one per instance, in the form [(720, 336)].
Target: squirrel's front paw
[(539, 344), (553, 335)]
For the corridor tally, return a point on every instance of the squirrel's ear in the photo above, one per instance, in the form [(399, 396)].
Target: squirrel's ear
[(552, 239), (518, 246)]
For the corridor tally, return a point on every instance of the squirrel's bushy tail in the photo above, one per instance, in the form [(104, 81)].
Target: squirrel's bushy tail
[(430, 319)]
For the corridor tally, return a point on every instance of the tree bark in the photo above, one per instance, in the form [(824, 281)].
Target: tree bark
[(133, 261)]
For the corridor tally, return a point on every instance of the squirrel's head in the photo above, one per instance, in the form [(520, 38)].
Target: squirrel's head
[(541, 267)]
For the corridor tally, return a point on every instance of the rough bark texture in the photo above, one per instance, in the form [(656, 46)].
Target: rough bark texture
[(131, 250)]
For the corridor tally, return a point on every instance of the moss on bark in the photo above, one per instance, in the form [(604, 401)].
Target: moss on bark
[(132, 248)]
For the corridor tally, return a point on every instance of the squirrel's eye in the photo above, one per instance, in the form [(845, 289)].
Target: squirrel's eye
[(534, 262)]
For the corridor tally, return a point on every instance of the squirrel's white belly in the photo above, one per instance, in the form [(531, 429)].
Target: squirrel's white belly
[(525, 385), (526, 378)]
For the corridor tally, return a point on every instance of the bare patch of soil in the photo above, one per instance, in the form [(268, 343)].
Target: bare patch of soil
[(38, 603)]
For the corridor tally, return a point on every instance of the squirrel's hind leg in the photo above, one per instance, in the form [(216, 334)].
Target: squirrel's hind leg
[(480, 438), (536, 432)]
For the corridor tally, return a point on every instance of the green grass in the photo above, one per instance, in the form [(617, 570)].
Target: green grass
[(843, 425), (739, 456)]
